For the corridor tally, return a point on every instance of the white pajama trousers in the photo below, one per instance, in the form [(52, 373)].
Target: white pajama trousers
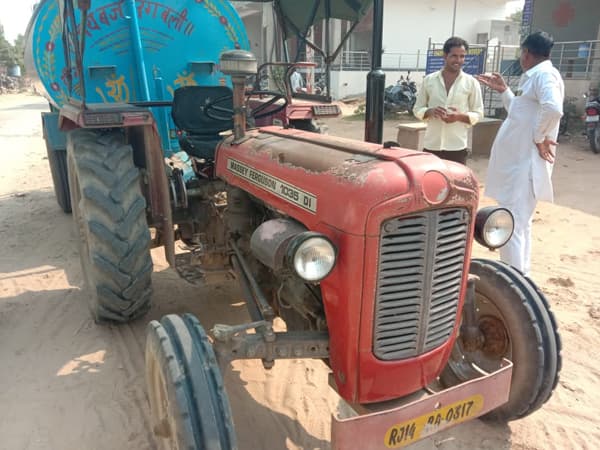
[(517, 252)]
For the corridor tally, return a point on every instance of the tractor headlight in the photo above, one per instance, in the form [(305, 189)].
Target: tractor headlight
[(493, 226), (312, 256)]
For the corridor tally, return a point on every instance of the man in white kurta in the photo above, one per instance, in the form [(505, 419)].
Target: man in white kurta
[(523, 153)]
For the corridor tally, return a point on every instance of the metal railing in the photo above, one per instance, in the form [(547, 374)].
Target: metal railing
[(577, 59), (503, 59), (391, 61), (403, 61), (353, 60)]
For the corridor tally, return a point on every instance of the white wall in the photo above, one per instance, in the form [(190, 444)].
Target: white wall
[(408, 25)]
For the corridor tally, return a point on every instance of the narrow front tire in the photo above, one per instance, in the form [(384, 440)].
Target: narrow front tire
[(515, 322), (189, 406)]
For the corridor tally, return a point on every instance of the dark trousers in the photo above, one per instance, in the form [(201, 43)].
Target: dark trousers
[(459, 156)]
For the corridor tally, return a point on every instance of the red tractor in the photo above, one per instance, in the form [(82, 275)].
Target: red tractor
[(306, 102), (364, 251)]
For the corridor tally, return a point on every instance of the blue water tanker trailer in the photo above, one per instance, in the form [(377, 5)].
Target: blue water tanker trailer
[(135, 53)]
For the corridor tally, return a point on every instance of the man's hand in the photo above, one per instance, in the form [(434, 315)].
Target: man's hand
[(438, 112), (452, 115), (545, 149), (493, 81)]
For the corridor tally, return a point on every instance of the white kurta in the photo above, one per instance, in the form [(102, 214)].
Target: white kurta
[(533, 114), (517, 176)]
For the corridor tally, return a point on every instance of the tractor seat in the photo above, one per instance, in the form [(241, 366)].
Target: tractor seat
[(201, 133)]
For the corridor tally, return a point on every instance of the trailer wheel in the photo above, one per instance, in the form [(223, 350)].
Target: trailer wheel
[(189, 406), (110, 216), (57, 159), (516, 323)]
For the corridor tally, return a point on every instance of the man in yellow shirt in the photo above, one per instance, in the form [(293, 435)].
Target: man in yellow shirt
[(450, 102)]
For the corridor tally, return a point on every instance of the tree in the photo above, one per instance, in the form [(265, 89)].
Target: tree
[(6, 50), (517, 16), (11, 55)]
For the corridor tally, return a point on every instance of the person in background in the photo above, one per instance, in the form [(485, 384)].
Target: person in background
[(522, 157), (296, 81), (450, 102)]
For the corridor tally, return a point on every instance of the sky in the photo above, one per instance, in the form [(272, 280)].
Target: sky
[(14, 17), (511, 6), (15, 14)]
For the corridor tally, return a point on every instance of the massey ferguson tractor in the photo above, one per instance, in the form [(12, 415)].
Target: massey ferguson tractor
[(363, 249)]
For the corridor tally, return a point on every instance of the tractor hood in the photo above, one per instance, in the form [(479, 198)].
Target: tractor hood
[(321, 179)]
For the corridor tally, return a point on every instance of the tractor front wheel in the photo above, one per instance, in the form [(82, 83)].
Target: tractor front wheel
[(109, 211), (515, 322), (189, 407)]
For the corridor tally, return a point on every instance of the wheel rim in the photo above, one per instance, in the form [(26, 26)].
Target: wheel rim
[(162, 422), (597, 139), (496, 345)]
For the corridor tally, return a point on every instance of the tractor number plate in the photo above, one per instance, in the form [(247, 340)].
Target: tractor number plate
[(393, 425), (592, 119), (410, 431)]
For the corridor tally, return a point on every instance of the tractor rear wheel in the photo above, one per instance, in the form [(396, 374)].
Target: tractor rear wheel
[(109, 211), (189, 406), (516, 323), (57, 159)]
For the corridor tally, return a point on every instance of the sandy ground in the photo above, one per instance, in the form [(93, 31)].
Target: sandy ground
[(66, 383)]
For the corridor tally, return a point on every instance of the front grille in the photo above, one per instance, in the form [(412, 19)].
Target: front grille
[(421, 262)]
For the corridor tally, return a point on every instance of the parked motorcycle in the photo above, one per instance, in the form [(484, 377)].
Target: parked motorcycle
[(592, 122), (402, 96)]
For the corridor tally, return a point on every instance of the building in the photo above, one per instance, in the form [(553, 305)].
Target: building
[(409, 28)]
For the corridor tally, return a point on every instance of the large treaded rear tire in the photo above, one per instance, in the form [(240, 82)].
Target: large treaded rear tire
[(109, 211), (189, 405), (512, 309), (57, 160)]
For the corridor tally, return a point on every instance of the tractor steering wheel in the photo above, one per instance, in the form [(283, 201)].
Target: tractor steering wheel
[(213, 111), (264, 110)]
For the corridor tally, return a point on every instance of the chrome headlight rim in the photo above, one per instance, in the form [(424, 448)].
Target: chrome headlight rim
[(298, 242), (482, 220)]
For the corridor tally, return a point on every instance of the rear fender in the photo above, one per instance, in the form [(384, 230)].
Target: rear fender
[(148, 154), (54, 137), (144, 138)]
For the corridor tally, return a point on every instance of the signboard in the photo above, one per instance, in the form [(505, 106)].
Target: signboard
[(474, 61), (527, 17), (527, 13)]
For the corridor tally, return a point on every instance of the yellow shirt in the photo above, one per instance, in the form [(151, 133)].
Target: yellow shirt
[(464, 95)]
